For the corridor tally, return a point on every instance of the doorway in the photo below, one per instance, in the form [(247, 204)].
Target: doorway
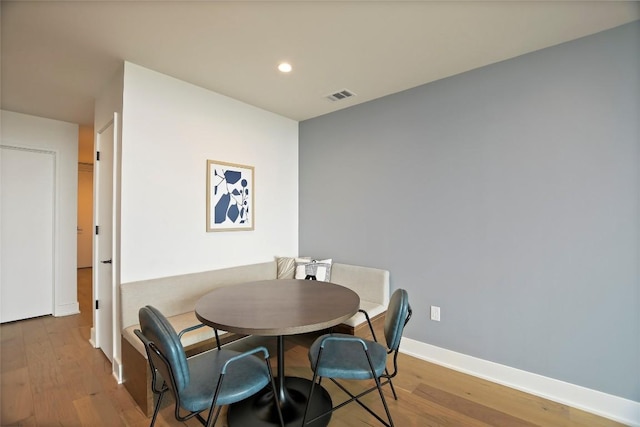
[(85, 215), (85, 223)]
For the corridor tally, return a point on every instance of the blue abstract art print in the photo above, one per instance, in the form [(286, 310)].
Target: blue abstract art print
[(229, 196)]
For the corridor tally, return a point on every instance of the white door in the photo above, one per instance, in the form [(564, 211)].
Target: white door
[(103, 267), (28, 190), (85, 215)]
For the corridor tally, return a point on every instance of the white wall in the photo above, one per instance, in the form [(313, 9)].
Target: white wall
[(169, 130), (21, 130)]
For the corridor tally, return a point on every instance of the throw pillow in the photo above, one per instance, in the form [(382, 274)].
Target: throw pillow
[(314, 269), (286, 267)]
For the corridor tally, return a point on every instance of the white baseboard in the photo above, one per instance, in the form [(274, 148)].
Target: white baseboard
[(92, 339), (117, 370), (67, 309), (606, 405)]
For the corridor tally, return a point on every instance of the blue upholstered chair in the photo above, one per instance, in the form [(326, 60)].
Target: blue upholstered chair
[(204, 382), (340, 356)]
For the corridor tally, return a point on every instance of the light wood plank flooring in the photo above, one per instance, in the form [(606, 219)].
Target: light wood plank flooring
[(51, 376)]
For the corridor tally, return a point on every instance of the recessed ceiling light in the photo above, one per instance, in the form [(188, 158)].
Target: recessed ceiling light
[(285, 67)]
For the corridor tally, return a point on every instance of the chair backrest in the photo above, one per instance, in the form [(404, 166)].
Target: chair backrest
[(398, 314), (159, 331)]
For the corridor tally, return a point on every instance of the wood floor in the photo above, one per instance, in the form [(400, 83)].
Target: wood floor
[(51, 376)]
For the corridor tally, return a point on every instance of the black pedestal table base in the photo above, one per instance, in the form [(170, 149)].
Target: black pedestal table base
[(259, 411)]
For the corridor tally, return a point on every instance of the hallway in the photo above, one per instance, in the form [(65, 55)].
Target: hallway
[(85, 295)]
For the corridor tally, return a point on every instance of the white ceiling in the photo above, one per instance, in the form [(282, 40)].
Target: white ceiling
[(57, 55)]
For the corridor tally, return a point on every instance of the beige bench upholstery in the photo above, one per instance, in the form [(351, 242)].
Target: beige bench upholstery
[(176, 297), (371, 285)]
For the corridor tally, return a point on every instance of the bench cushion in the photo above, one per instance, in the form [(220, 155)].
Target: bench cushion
[(372, 309), (179, 323)]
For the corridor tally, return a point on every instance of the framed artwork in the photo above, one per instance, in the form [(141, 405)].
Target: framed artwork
[(229, 196)]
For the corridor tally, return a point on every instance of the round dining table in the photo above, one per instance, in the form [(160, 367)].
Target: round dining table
[(278, 308)]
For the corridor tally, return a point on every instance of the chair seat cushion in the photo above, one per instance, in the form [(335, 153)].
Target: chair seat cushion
[(346, 358), (244, 378)]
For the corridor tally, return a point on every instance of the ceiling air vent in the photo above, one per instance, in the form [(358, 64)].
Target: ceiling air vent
[(339, 96)]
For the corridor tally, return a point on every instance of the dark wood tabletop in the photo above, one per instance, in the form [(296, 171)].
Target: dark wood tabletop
[(277, 307)]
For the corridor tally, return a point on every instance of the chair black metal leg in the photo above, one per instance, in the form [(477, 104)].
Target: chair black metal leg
[(384, 403), (275, 393), (157, 408), (213, 416), (356, 398), (202, 420), (306, 408), (393, 389)]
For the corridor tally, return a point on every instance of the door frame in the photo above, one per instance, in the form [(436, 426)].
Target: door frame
[(115, 252)]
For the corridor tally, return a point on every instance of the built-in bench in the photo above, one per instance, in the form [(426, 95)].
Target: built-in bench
[(176, 297)]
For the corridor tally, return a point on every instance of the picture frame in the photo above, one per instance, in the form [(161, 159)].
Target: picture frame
[(230, 196)]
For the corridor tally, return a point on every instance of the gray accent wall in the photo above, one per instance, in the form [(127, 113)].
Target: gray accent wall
[(509, 196)]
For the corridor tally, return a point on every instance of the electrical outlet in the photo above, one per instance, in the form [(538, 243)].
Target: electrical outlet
[(435, 313)]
